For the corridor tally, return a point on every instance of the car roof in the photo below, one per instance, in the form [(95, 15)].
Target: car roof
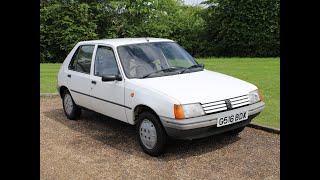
[(125, 41)]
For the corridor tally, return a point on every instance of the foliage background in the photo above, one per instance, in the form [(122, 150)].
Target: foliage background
[(242, 28)]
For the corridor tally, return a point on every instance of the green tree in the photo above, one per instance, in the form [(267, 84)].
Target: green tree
[(61, 26), (225, 28), (164, 19), (65, 22), (243, 27), (188, 29), (136, 18)]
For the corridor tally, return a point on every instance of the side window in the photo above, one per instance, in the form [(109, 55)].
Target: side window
[(72, 65), (105, 62), (81, 60)]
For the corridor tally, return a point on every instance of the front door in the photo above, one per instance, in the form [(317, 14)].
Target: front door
[(108, 96)]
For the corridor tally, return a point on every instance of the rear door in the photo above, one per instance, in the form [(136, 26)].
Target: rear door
[(78, 74), (108, 96)]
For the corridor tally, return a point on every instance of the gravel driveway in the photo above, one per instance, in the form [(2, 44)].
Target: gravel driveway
[(97, 147)]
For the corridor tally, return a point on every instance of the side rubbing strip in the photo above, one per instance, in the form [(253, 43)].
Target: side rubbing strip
[(101, 99)]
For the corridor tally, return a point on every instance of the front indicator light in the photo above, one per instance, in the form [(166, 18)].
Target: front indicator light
[(178, 111)]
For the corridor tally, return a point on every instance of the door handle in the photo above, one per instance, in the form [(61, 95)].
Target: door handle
[(94, 82), (69, 75)]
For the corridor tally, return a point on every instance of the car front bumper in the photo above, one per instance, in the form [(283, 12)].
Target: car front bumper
[(203, 126)]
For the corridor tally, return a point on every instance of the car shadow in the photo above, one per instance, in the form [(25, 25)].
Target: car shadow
[(122, 136)]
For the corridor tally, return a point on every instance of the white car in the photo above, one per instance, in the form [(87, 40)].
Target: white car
[(157, 86)]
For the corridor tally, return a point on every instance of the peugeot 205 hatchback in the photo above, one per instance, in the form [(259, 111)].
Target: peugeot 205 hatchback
[(157, 86)]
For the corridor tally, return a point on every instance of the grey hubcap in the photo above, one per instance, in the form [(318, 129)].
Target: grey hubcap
[(148, 134), (68, 104)]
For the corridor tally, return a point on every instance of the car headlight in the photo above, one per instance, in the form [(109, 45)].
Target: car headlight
[(187, 111), (255, 96)]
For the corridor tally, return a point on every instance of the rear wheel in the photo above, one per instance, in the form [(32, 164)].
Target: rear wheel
[(152, 136), (235, 132), (70, 108)]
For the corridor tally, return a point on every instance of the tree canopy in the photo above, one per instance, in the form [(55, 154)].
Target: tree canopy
[(224, 28)]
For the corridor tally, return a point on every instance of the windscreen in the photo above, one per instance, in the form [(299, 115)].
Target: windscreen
[(139, 60)]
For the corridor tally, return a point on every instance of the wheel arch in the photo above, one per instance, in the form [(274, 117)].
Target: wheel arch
[(62, 89), (142, 108)]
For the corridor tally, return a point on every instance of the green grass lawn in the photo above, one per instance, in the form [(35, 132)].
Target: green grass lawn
[(262, 72), (48, 77)]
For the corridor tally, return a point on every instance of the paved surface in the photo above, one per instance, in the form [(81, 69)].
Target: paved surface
[(97, 147)]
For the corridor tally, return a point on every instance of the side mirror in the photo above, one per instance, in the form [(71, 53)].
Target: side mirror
[(111, 78), (201, 64)]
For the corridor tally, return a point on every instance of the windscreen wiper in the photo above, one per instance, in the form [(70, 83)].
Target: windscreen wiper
[(191, 67), (161, 70)]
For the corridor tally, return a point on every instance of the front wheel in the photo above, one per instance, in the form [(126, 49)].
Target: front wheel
[(152, 136)]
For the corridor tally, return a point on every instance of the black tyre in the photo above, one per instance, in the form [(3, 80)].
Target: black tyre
[(235, 132), (70, 108), (151, 134)]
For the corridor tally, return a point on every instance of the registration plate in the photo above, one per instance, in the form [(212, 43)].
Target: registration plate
[(232, 118)]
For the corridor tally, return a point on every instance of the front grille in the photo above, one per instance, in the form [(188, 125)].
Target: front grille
[(214, 106), (217, 106), (239, 101)]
